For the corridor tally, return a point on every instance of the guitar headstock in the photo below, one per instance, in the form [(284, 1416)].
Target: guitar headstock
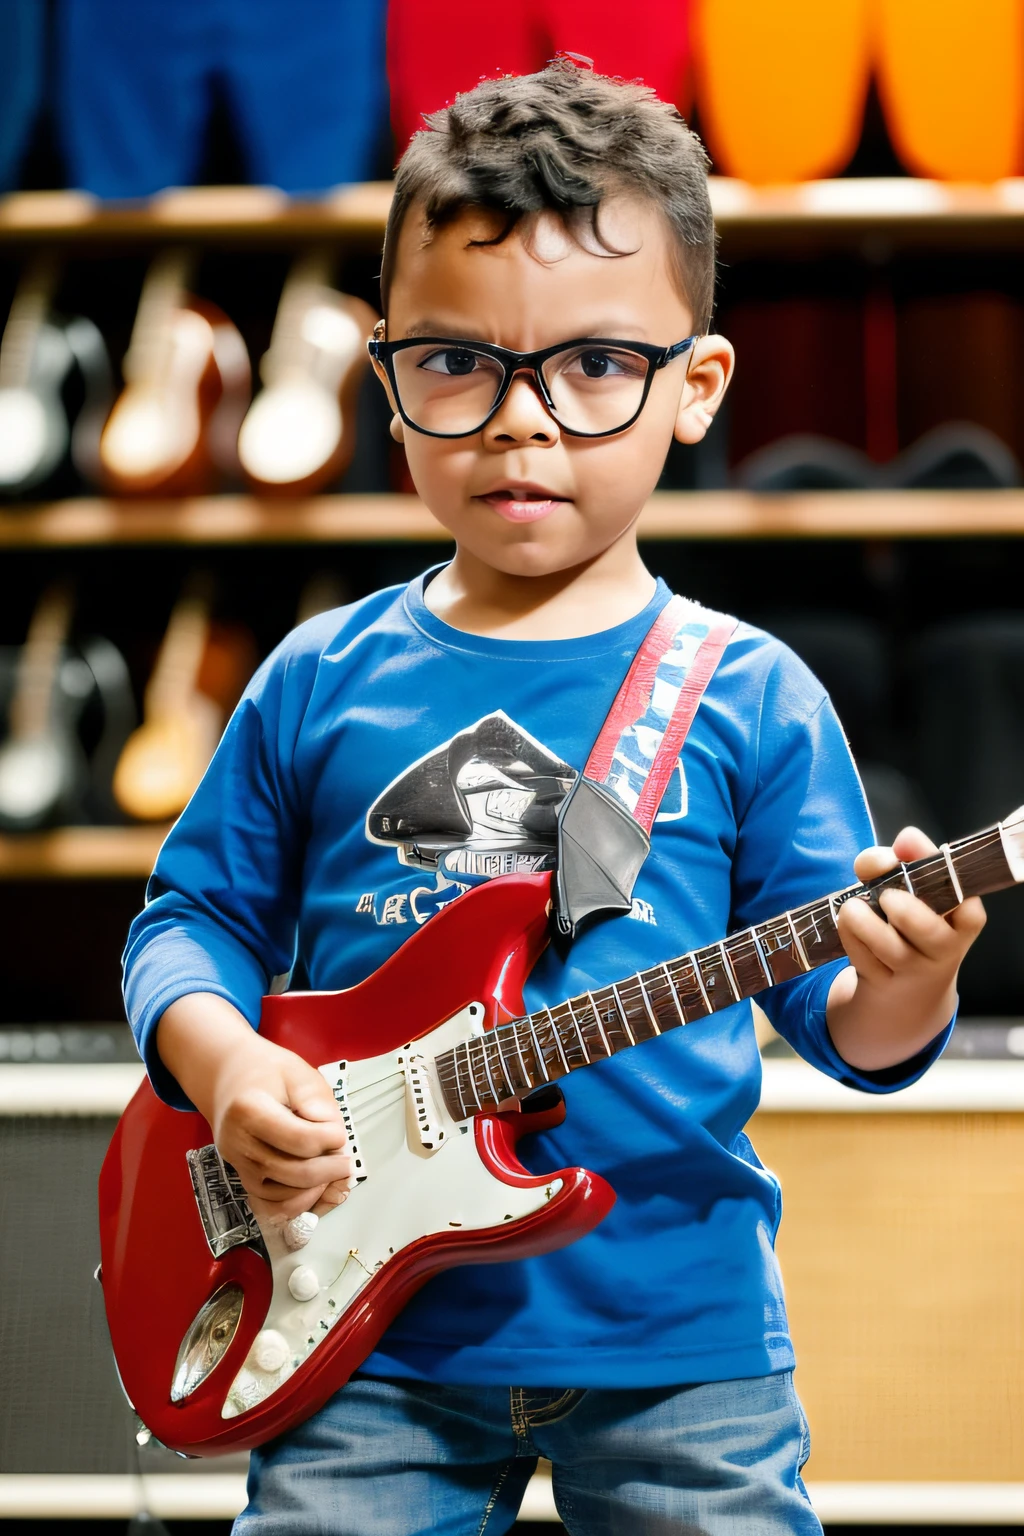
[(1012, 833)]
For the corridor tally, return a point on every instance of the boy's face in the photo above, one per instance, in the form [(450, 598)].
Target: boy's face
[(521, 495)]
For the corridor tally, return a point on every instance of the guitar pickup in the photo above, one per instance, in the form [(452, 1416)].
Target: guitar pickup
[(336, 1073), (228, 1221), (422, 1112)]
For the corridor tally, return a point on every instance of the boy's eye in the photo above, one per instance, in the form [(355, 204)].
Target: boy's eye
[(599, 363), (456, 362)]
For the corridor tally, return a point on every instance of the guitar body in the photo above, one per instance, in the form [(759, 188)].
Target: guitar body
[(48, 421), (164, 759), (288, 1327), (300, 432), (161, 438)]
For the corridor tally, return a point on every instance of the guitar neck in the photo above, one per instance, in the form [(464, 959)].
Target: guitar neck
[(181, 652), (31, 705), (509, 1062), (163, 290), (309, 277), (28, 311)]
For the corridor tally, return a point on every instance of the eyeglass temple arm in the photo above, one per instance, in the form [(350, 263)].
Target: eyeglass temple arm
[(671, 353)]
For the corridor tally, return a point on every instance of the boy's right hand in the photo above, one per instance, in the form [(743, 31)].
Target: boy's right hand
[(273, 1116)]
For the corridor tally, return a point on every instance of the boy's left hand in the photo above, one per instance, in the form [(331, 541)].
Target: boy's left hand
[(900, 989)]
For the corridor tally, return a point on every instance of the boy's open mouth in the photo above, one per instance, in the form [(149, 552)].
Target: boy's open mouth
[(522, 503)]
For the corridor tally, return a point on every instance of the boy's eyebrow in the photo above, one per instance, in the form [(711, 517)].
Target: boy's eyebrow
[(458, 332), (613, 329)]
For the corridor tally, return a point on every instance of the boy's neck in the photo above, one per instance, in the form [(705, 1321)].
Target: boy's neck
[(481, 600)]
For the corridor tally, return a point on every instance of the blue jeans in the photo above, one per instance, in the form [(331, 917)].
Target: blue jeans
[(405, 1458)]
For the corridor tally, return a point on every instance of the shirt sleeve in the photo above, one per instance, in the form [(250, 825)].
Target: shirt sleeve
[(805, 822), (222, 902)]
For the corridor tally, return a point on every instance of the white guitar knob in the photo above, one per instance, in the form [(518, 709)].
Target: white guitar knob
[(270, 1351), (303, 1283), (300, 1229)]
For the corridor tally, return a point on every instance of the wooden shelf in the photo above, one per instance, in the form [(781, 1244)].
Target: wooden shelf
[(220, 520), (704, 515), (81, 853), (248, 214), (897, 211)]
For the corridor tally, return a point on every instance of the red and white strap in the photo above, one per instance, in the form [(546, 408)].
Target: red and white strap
[(640, 742)]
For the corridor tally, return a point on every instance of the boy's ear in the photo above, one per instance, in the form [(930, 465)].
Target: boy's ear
[(707, 379)]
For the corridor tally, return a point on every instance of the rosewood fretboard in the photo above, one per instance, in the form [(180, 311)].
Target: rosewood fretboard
[(512, 1060)]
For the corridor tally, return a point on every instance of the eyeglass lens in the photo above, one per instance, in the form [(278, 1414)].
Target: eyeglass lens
[(451, 389)]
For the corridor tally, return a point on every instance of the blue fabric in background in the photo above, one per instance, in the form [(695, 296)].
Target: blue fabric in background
[(22, 28), (304, 82)]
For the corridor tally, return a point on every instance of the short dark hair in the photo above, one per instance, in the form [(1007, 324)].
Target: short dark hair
[(563, 139)]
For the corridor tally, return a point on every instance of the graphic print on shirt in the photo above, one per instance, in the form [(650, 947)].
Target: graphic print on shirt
[(482, 804)]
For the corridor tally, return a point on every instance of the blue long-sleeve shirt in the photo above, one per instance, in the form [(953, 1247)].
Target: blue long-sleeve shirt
[(380, 764)]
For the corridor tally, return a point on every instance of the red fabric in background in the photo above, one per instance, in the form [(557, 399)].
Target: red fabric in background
[(437, 48)]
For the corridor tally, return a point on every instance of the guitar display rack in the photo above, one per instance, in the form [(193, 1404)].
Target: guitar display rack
[(815, 219), (856, 217)]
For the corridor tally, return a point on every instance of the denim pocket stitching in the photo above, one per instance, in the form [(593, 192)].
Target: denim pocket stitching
[(552, 1413)]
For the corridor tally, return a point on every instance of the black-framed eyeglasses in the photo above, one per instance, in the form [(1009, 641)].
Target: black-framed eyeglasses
[(593, 387)]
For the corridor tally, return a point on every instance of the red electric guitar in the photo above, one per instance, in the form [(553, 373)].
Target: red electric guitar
[(228, 1331)]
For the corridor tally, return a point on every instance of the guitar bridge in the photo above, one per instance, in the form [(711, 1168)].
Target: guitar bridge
[(223, 1207)]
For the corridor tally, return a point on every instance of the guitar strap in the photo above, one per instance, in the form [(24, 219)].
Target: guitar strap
[(605, 821)]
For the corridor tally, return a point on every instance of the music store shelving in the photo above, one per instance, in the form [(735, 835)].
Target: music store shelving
[(901, 210), (340, 519)]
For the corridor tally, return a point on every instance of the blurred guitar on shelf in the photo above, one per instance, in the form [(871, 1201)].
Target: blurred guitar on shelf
[(41, 761), (299, 433), (55, 389), (200, 671), (173, 428)]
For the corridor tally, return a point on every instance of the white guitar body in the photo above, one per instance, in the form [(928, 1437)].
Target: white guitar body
[(419, 1173)]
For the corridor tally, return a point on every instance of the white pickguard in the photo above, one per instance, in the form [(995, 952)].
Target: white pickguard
[(419, 1173)]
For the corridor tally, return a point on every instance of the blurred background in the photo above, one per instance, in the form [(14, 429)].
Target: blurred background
[(193, 457)]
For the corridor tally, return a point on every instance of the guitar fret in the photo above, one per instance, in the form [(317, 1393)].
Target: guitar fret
[(623, 1014), (648, 1008), (675, 995), (759, 951), (514, 1035), (699, 979), (464, 1112), (951, 868), (558, 1040), (469, 1072), (600, 1026), (478, 1059), (730, 974), (485, 1056), (538, 1053), (798, 943), (579, 1032)]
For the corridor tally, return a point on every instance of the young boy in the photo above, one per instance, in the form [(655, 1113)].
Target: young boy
[(392, 754)]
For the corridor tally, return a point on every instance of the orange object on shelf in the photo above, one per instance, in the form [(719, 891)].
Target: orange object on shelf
[(781, 88), (951, 80)]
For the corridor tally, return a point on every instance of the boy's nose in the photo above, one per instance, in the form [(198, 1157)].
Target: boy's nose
[(522, 417)]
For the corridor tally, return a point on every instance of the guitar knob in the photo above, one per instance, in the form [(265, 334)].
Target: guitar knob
[(300, 1229), (303, 1283), (270, 1351)]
